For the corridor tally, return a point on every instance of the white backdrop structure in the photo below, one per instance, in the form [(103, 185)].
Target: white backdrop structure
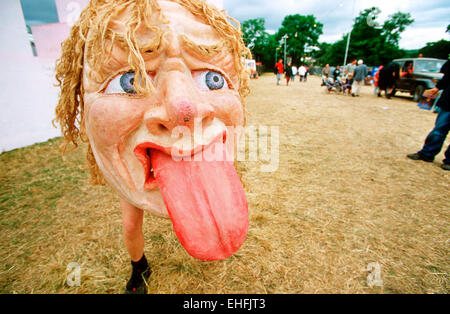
[(28, 96)]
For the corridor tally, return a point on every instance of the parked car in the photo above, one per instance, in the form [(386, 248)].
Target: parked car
[(418, 74)]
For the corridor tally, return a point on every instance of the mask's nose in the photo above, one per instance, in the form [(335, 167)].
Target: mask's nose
[(180, 105), (190, 115)]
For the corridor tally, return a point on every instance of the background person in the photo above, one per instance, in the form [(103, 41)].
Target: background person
[(387, 77), (346, 86), (359, 74), (294, 72), (376, 79), (288, 73), (279, 70), (408, 69), (325, 74), (336, 73), (302, 73), (349, 72)]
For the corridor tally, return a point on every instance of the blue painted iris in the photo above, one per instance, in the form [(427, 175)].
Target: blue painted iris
[(214, 80), (126, 82)]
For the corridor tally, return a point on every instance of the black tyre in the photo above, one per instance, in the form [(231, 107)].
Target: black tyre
[(418, 92)]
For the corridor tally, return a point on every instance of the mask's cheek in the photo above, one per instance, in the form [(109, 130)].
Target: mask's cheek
[(227, 107), (109, 120)]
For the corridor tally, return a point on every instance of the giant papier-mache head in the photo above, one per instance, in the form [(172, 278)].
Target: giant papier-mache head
[(145, 80)]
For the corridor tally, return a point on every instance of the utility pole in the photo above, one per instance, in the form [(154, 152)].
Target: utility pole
[(285, 37), (349, 34)]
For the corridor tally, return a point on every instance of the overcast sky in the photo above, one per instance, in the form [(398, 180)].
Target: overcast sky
[(431, 16)]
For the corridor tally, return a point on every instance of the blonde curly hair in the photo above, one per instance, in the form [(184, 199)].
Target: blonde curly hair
[(91, 40)]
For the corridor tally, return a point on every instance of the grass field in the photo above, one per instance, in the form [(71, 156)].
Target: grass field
[(344, 196)]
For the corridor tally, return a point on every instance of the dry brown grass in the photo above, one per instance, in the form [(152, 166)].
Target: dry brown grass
[(344, 196)]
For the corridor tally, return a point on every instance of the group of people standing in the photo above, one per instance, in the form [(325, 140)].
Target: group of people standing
[(290, 72), (351, 79)]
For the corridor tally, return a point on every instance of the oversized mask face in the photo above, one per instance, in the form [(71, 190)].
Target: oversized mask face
[(153, 148)]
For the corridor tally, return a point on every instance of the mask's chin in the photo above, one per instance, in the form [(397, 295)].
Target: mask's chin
[(151, 201), (141, 196)]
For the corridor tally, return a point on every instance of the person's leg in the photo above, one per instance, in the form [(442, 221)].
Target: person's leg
[(133, 238), (278, 78), (358, 87), (354, 88), (435, 140)]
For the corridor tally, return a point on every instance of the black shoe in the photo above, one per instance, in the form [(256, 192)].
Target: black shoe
[(139, 276), (138, 282), (417, 156), (353, 95), (446, 167)]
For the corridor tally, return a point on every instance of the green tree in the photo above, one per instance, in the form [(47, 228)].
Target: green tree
[(253, 33), (438, 49), (323, 48), (261, 44), (374, 44), (301, 30), (395, 25)]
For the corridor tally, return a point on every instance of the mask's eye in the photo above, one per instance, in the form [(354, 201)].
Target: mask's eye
[(210, 80), (121, 84)]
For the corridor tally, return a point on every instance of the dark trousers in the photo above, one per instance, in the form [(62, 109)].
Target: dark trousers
[(435, 140)]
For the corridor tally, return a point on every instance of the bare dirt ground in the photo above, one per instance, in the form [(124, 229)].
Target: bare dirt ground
[(344, 196)]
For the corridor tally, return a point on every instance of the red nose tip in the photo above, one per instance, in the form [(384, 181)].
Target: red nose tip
[(185, 111)]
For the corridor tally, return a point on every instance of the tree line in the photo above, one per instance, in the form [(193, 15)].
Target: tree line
[(299, 37)]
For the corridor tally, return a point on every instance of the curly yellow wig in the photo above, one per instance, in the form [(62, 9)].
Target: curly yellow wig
[(91, 40)]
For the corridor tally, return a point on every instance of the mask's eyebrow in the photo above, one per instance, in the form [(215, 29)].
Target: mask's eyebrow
[(117, 51), (145, 43), (201, 50)]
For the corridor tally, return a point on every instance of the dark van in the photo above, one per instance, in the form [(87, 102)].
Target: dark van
[(418, 74)]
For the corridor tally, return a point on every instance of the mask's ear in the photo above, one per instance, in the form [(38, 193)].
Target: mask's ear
[(70, 108)]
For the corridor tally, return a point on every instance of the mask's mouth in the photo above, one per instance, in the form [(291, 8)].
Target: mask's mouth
[(143, 153), (205, 199)]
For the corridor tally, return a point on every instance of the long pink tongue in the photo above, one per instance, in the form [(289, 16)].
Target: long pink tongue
[(206, 203)]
